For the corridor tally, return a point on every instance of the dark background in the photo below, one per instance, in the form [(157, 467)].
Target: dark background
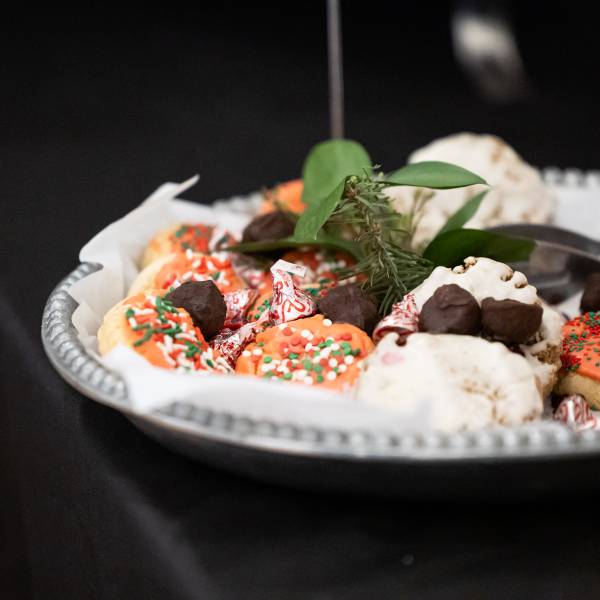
[(98, 108)]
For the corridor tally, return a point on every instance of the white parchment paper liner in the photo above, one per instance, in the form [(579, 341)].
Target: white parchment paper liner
[(118, 248)]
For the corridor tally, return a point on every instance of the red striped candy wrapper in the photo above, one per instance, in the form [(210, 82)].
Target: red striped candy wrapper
[(230, 343), (237, 304), (575, 412), (289, 301), (403, 320)]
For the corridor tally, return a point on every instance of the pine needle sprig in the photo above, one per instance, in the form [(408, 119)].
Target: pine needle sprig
[(366, 215)]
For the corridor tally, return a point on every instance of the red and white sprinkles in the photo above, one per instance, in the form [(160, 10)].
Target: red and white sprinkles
[(306, 357), (214, 267)]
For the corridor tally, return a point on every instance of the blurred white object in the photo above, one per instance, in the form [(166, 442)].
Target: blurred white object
[(518, 193), (485, 46)]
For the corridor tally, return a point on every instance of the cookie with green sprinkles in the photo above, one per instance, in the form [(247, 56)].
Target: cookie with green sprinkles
[(161, 332), (311, 351)]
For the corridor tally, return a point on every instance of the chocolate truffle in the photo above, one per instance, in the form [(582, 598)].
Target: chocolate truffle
[(591, 294), (204, 303), (451, 309), (510, 321), (272, 226), (350, 304)]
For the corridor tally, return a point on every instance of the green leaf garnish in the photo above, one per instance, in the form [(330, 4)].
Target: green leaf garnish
[(323, 240), (452, 247), (316, 214), (463, 215), (327, 163), (434, 174)]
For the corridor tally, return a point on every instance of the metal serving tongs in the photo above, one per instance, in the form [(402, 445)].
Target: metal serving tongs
[(561, 261)]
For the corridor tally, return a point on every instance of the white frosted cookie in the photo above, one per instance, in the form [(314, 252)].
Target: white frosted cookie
[(487, 278), (518, 193), (451, 382)]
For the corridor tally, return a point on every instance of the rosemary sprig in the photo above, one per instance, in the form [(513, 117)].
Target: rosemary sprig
[(366, 215)]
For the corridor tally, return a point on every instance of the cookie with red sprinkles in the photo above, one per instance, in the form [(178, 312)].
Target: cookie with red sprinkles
[(312, 351), (163, 334), (197, 237), (179, 267), (580, 357)]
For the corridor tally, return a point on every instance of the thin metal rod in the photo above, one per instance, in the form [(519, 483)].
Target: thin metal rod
[(336, 71)]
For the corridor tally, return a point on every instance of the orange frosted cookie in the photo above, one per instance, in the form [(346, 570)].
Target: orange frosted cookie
[(311, 351), (180, 237), (285, 196), (160, 332), (580, 358), (174, 269)]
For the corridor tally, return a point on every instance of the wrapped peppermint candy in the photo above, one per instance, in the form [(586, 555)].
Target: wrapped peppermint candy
[(237, 304), (230, 343), (289, 301), (575, 412), (403, 320)]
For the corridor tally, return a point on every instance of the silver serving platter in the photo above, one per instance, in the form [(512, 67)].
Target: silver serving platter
[(499, 462)]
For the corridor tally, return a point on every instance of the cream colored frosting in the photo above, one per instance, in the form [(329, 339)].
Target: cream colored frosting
[(518, 193), (487, 278), (450, 382)]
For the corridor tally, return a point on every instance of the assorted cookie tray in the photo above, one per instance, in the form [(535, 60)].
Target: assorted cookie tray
[(362, 315)]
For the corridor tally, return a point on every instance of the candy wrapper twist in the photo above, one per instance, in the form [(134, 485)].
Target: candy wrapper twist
[(575, 412), (403, 320), (237, 304), (289, 301)]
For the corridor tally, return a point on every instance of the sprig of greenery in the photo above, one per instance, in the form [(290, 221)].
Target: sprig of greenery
[(347, 209), (328, 163), (366, 215)]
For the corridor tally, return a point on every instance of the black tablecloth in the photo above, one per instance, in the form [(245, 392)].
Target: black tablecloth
[(94, 117)]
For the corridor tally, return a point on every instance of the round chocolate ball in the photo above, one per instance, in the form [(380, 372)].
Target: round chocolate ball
[(451, 309), (272, 226), (350, 304), (590, 301), (204, 303), (510, 321)]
